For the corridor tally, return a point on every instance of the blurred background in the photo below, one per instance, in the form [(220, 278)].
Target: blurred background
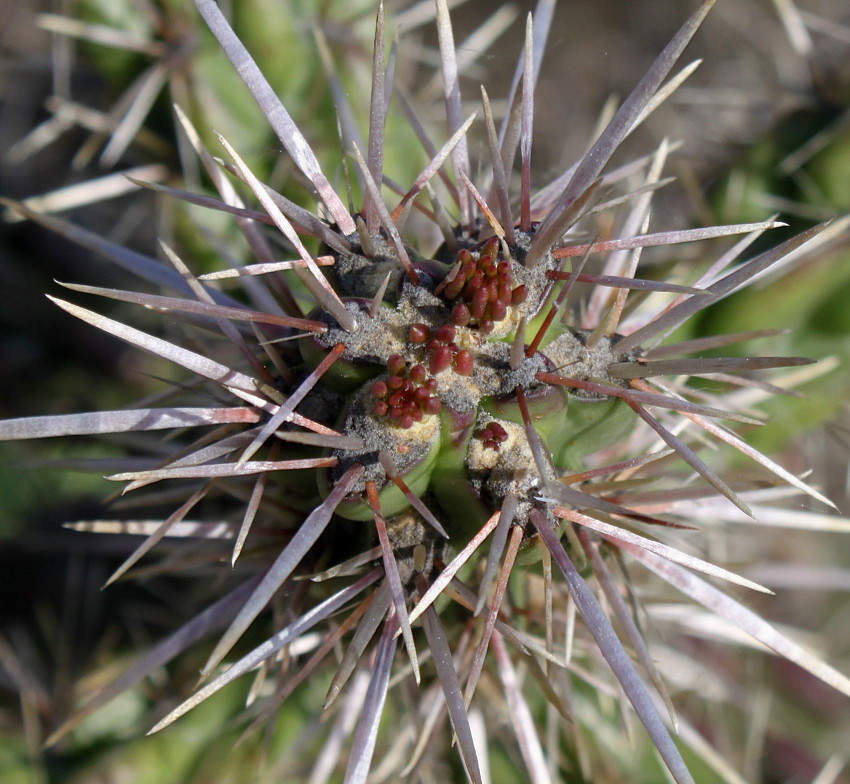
[(764, 127)]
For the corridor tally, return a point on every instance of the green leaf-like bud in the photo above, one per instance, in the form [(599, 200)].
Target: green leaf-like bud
[(592, 424), (460, 501)]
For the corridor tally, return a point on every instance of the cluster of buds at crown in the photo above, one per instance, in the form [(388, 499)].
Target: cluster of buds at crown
[(440, 348), (492, 434), (483, 285), (406, 395)]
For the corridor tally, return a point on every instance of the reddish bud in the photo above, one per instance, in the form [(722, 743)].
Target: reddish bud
[(446, 333), (504, 292), (396, 365), (463, 363), (461, 315), (379, 389), (491, 248), (518, 295), (472, 285), (418, 333), (439, 359), (479, 303), (453, 289), (497, 432)]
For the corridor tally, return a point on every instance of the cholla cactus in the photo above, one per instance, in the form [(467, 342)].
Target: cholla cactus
[(405, 439)]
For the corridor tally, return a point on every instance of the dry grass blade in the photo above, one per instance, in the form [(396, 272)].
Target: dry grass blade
[(645, 397), (177, 305), (664, 238), (490, 623), (109, 186), (689, 456), (745, 619), (588, 170), (428, 597), (314, 281), (304, 538), (629, 623), (375, 613), (141, 419), (285, 128), (138, 264), (615, 535), (451, 92), (200, 626), (522, 722), (270, 647), (101, 34), (366, 732), (433, 167), (446, 672), (688, 367), (393, 579), (509, 133), (680, 313), (614, 653)]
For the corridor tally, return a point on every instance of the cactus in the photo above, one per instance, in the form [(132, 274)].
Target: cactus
[(397, 427)]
